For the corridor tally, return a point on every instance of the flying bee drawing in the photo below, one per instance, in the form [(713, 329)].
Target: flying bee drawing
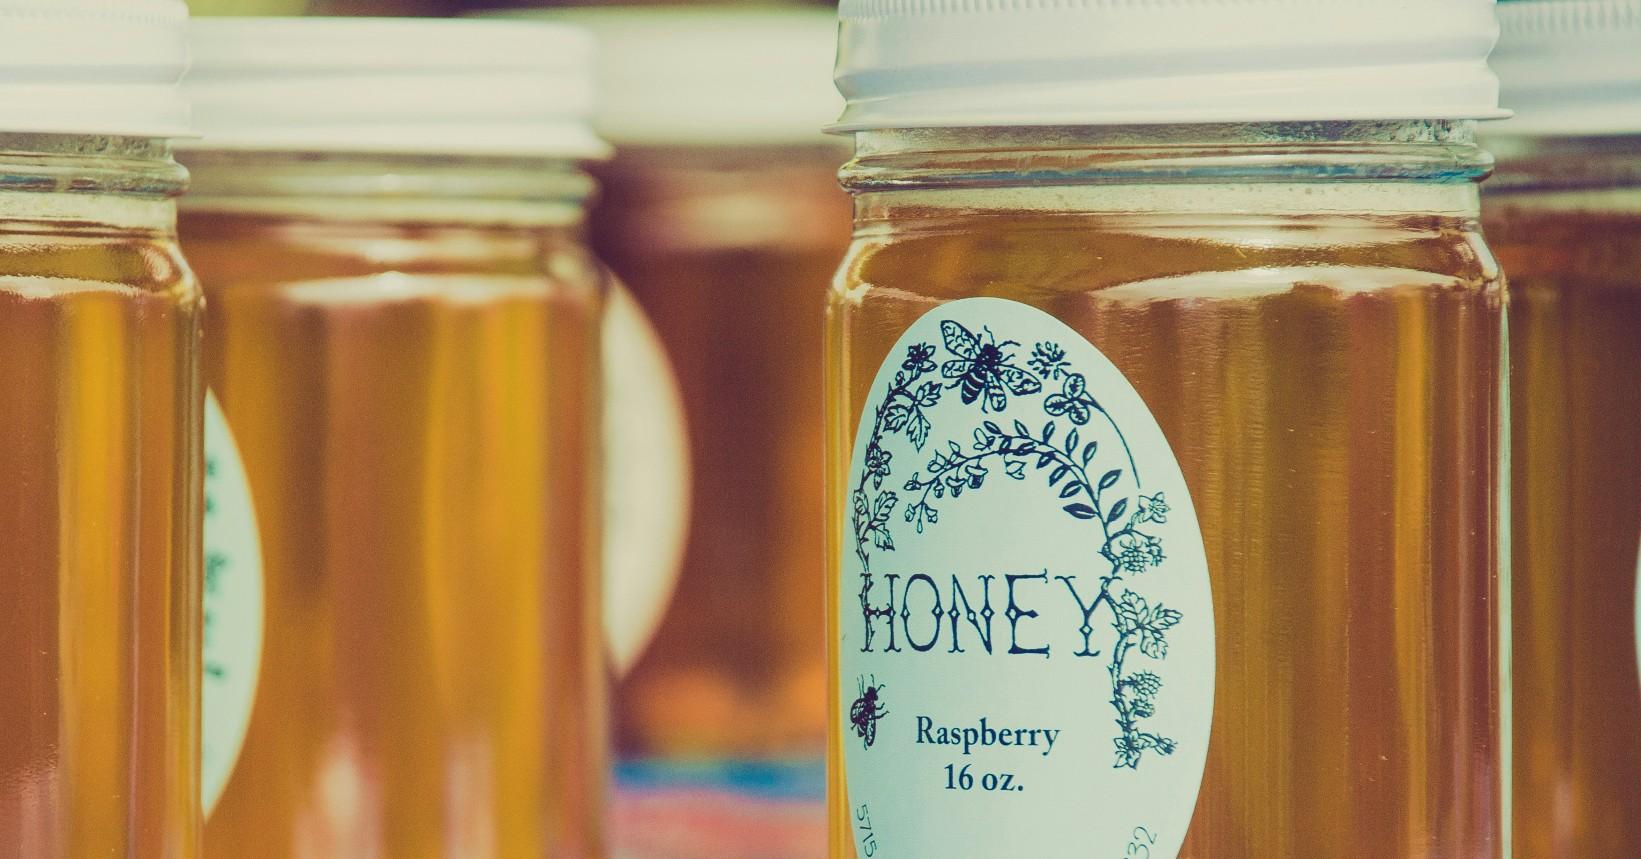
[(983, 369), (867, 709)]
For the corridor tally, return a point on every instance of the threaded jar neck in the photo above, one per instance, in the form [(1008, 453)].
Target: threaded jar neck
[(1415, 151), (515, 191)]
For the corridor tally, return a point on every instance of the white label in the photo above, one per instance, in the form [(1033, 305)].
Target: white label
[(1026, 627), (647, 487), (233, 607)]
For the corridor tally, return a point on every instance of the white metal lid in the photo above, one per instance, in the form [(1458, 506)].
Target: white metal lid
[(1571, 66), (711, 75), (393, 86), (99, 67), (953, 63)]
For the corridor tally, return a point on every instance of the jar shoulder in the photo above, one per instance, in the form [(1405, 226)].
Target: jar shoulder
[(1162, 255)]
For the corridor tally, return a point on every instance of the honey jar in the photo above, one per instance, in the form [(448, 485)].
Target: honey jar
[(1164, 378), (100, 437)]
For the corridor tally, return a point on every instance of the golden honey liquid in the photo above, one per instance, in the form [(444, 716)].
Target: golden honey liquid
[(1575, 343), (100, 469), (730, 257), (415, 407), (1329, 384)]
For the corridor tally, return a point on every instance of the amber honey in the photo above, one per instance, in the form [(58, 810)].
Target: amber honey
[(1564, 212), (730, 255), (415, 404), (1325, 365), (99, 562), (405, 341), (1572, 261)]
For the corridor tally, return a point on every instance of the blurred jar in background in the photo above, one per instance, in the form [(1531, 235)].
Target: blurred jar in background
[(721, 213), (1564, 214), (100, 438), (404, 336)]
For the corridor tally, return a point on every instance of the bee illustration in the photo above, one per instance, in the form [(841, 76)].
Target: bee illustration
[(983, 368), (867, 709)]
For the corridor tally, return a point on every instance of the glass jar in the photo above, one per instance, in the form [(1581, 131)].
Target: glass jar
[(731, 671), (1564, 213), (100, 404), (720, 212), (404, 339), (1164, 435)]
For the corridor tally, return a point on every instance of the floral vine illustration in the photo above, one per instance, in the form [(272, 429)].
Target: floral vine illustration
[(982, 370)]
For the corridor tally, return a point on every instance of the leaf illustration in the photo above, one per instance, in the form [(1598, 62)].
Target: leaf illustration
[(1071, 441), (1089, 450), (928, 394), (1152, 642), (1128, 752), (1080, 510), (1149, 622), (885, 506), (1109, 479), (1117, 510), (1057, 475), (1129, 610), (1070, 489), (1016, 469), (896, 416), (1048, 432), (917, 430)]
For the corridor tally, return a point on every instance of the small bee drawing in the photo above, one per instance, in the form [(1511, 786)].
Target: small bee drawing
[(983, 369), (866, 710)]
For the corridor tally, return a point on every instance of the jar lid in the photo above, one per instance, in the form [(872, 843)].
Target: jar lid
[(392, 86), (94, 67), (984, 63), (1571, 67), (710, 75)]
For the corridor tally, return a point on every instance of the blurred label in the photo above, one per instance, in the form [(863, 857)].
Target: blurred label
[(233, 607), (646, 496)]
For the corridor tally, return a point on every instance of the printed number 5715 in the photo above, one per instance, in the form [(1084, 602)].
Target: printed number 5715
[(868, 838)]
